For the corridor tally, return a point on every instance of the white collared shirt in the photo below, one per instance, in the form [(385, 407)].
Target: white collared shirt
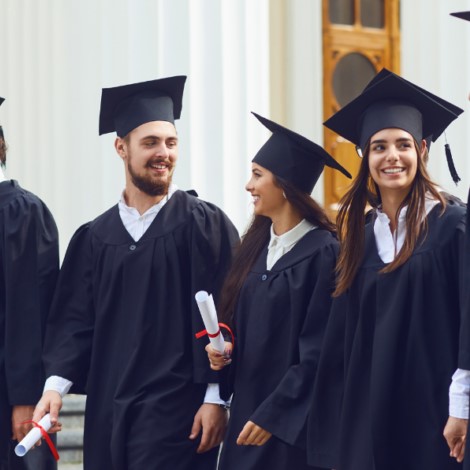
[(389, 244), (2, 175), (279, 245), (136, 225)]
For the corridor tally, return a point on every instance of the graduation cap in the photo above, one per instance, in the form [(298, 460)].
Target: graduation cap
[(293, 157), (393, 102), (451, 107), (126, 107), (464, 15)]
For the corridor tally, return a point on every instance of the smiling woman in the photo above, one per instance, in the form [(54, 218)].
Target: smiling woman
[(280, 281), (394, 328)]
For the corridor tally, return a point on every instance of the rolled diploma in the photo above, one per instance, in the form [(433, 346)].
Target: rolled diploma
[(33, 436), (206, 305)]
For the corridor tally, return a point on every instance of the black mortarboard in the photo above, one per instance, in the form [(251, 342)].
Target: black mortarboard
[(451, 107), (293, 157), (391, 102), (464, 15), (126, 107)]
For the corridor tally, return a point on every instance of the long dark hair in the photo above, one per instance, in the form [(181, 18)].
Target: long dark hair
[(351, 219), (255, 240), (3, 151)]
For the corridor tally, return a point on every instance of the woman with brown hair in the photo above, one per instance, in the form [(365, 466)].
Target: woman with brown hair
[(391, 345), (277, 298)]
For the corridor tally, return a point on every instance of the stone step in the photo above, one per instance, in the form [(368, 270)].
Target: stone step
[(73, 404), (69, 466), (70, 439)]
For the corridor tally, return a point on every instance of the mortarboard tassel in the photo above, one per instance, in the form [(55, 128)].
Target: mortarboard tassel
[(450, 164)]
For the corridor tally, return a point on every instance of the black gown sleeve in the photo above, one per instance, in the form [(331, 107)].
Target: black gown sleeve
[(213, 240), (284, 412), (69, 333), (31, 265)]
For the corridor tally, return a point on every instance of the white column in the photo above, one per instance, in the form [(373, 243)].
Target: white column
[(56, 57), (435, 54)]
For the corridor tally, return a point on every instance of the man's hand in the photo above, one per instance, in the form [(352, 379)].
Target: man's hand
[(50, 402), (253, 435), (455, 434), (212, 419), (20, 414)]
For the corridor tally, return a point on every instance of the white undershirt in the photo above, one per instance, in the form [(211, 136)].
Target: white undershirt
[(136, 225), (279, 245), (388, 246)]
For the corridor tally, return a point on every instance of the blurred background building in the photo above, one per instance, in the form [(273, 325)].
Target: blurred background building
[(294, 61)]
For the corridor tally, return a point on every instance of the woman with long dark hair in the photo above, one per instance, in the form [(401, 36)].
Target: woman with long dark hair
[(277, 298), (391, 345)]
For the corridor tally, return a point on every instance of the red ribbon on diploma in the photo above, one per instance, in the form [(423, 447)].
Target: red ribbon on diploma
[(202, 333), (46, 437)]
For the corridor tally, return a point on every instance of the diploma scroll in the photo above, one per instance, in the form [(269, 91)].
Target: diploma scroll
[(33, 436), (206, 305)]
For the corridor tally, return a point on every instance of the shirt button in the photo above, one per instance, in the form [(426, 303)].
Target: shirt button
[(264, 277), (132, 247)]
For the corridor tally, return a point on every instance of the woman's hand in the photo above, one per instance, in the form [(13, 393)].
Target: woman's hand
[(455, 434), (218, 360), (253, 435)]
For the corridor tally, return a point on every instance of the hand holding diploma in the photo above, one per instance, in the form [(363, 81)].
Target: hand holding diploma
[(33, 436), (219, 361), (206, 305), (50, 402)]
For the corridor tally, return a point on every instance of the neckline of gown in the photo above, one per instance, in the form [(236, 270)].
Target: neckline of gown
[(371, 255), (111, 230), (295, 255)]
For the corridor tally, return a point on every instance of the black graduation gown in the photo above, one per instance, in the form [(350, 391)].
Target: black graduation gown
[(390, 350), (279, 322), (122, 329), (29, 255), (464, 352)]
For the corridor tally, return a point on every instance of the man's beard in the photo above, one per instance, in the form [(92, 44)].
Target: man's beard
[(148, 185)]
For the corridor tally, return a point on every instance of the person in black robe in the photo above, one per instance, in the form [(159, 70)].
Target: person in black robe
[(124, 316), (391, 343), (277, 296), (29, 255), (456, 429)]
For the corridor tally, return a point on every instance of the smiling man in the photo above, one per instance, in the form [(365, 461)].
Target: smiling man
[(124, 317)]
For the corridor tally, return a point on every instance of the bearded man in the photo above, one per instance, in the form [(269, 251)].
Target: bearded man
[(123, 319)]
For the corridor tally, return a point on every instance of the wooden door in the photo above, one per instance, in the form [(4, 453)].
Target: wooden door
[(360, 37)]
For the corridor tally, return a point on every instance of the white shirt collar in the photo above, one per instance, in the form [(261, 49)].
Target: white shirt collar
[(279, 245), (292, 236), (132, 211), (388, 244), (137, 224), (2, 175)]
